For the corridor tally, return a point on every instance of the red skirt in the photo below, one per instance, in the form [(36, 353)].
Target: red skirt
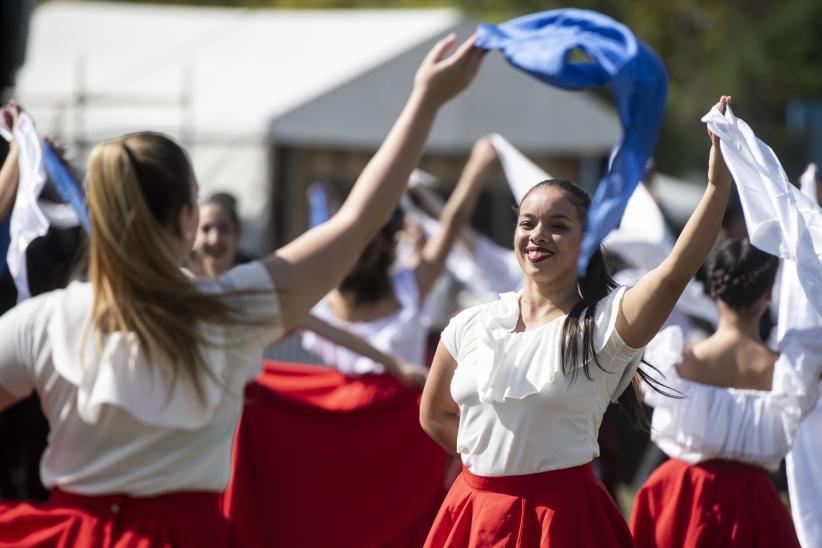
[(321, 460), (713, 503), (117, 521), (561, 508)]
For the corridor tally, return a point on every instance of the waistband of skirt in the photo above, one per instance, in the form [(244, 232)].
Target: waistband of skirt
[(183, 502), (552, 479), (728, 467)]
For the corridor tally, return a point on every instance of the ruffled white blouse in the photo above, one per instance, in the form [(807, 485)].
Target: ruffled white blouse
[(119, 422), (752, 426), (518, 413)]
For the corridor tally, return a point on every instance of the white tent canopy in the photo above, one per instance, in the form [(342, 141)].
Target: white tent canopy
[(229, 82), (533, 116)]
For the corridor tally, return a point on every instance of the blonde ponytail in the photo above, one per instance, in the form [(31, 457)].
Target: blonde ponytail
[(137, 185)]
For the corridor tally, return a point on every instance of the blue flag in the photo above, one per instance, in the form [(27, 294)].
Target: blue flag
[(65, 185), (318, 209), (541, 45)]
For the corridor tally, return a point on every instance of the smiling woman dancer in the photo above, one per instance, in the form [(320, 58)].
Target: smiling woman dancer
[(141, 370), (518, 386), (216, 243)]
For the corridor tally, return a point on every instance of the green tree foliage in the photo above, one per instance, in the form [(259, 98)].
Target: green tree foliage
[(762, 52)]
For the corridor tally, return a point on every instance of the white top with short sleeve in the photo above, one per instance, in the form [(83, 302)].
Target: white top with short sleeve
[(518, 413), (712, 422), (122, 425), (402, 333)]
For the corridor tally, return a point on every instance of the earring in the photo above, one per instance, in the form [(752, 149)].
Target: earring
[(579, 291)]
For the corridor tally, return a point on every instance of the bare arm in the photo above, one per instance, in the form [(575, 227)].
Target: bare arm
[(9, 173), (455, 215), (646, 306), (310, 266), (439, 413), (411, 374), (433, 205)]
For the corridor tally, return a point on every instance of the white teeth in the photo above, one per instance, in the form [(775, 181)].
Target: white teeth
[(539, 254)]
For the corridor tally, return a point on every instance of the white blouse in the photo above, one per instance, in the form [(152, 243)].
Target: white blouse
[(402, 333), (752, 426), (119, 425), (518, 413)]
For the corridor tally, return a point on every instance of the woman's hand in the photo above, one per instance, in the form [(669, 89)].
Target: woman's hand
[(11, 115), (441, 77), (483, 154), (411, 374), (718, 174), (9, 172)]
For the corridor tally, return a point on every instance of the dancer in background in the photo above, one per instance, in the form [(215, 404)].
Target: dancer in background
[(384, 307), (50, 259), (144, 361), (347, 436), (518, 387), (217, 241), (216, 250), (733, 425)]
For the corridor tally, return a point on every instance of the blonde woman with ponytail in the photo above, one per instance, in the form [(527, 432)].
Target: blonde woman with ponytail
[(141, 369)]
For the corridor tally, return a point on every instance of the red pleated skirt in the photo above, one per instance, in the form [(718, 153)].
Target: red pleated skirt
[(561, 508), (713, 503), (117, 521), (326, 461)]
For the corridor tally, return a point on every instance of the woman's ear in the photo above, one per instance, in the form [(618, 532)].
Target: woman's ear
[(186, 222)]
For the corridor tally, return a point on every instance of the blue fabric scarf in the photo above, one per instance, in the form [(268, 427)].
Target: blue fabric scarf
[(540, 44), (66, 186)]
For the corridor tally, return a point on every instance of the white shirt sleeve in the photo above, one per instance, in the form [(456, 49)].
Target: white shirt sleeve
[(249, 289), (452, 335), (613, 354)]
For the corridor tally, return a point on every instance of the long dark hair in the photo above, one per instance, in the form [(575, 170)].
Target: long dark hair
[(578, 327), (369, 280)]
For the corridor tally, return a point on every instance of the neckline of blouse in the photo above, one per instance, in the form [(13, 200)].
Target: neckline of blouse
[(533, 329)]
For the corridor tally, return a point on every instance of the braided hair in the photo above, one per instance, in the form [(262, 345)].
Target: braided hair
[(740, 274)]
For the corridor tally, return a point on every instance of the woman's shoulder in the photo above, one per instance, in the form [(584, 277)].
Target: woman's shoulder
[(729, 362), (244, 277), (73, 299)]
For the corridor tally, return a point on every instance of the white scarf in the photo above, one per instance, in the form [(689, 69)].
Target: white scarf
[(30, 218)]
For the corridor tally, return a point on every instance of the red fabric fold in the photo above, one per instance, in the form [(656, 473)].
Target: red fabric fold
[(184, 520), (713, 503), (325, 460), (567, 508)]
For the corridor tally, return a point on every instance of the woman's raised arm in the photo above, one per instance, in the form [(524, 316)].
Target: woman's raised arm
[(307, 268), (646, 306), (9, 173)]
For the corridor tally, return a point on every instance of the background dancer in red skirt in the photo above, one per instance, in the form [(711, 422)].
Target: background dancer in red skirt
[(384, 306), (729, 431), (513, 389), (141, 370)]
